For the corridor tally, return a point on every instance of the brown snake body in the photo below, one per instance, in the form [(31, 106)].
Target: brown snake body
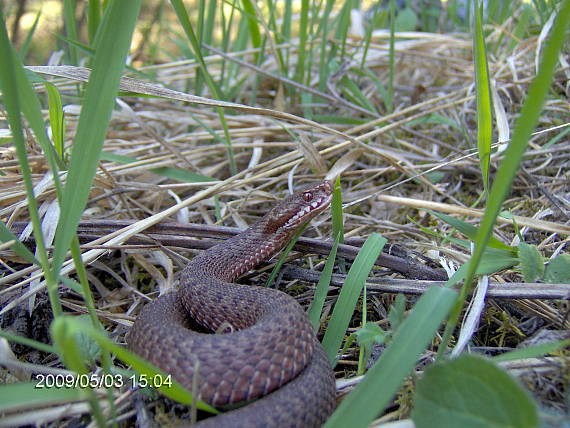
[(271, 352)]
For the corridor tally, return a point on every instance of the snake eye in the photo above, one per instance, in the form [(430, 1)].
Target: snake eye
[(307, 196)]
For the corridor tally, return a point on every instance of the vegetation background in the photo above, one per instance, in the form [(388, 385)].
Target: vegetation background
[(444, 124)]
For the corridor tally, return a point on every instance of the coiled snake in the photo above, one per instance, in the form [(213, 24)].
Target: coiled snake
[(272, 351)]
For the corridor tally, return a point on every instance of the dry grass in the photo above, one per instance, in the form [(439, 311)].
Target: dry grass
[(393, 169)]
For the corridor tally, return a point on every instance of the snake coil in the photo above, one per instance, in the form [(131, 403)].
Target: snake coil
[(271, 352)]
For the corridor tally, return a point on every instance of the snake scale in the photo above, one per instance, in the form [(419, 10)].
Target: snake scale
[(270, 354)]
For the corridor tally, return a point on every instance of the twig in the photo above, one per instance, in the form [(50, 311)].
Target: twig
[(182, 235), (509, 290)]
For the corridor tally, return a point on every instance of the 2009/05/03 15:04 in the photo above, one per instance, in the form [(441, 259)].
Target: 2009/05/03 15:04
[(100, 381)]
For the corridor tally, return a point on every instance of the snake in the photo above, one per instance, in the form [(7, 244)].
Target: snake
[(264, 351)]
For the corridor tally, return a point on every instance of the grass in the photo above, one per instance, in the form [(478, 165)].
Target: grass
[(413, 112)]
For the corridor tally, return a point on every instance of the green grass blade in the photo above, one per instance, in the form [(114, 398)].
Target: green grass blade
[(209, 24), (10, 70), (354, 94), (556, 138), (392, 53), (283, 256), (323, 30), (380, 88), (7, 236), (525, 124), (338, 120), (368, 38), (199, 80), (533, 351), (32, 109), (27, 342), (348, 298), (27, 42), (72, 284), (484, 108), (71, 29), (64, 337), (336, 212), (164, 171), (86, 292), (94, 18), (303, 36), (253, 25), (512, 156), (382, 381), (19, 396), (182, 15), (524, 22), (56, 117), (470, 231), (108, 64), (321, 291)]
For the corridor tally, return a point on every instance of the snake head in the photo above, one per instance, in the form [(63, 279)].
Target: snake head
[(299, 208)]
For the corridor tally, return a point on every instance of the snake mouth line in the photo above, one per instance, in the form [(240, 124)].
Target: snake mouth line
[(309, 211)]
